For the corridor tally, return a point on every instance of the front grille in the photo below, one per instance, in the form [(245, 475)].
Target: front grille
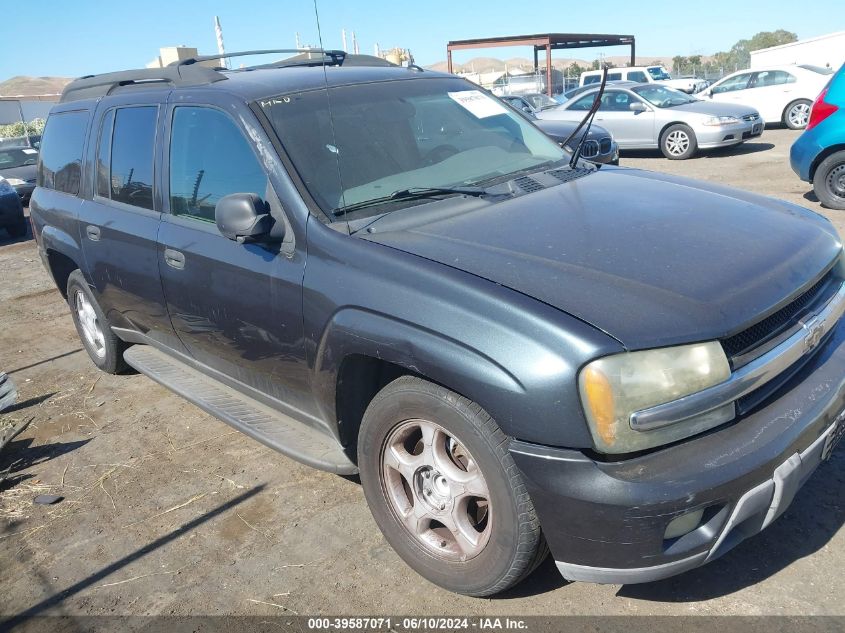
[(589, 149), (750, 117), (605, 144), (528, 184), (775, 323)]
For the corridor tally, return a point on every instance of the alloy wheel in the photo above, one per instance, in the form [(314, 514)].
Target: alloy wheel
[(90, 325), (677, 142), (436, 490), (798, 115)]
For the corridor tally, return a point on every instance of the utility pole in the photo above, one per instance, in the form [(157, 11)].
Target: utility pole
[(343, 38)]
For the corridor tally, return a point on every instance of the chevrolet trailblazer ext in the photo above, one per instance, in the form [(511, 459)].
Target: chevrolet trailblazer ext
[(385, 271)]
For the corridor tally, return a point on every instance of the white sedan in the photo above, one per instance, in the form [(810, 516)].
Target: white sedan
[(781, 95)]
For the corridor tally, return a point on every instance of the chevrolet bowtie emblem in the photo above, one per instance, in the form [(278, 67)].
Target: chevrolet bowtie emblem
[(814, 337)]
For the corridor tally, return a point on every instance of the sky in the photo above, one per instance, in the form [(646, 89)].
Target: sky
[(81, 37)]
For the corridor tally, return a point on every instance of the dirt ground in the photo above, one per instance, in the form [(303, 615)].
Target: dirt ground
[(169, 511)]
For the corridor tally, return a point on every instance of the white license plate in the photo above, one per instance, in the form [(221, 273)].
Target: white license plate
[(835, 435)]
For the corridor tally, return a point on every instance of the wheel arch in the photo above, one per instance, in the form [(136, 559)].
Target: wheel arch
[(825, 153), (790, 104), (361, 352), (63, 255), (668, 125)]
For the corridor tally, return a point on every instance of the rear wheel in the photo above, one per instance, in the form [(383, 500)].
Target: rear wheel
[(678, 142), (797, 113), (102, 345), (829, 181), (444, 490)]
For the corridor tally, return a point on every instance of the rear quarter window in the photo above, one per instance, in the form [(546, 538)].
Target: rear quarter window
[(637, 75), (60, 167)]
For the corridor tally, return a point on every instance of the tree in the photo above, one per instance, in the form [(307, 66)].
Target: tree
[(678, 63)]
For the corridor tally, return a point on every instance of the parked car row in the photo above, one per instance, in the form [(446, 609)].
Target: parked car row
[(644, 74), (652, 116), (598, 147)]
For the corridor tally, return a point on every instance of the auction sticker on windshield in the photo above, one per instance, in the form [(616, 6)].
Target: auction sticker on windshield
[(479, 104)]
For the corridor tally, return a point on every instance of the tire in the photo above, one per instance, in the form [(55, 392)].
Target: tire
[(796, 114), (829, 181), (678, 142), (473, 487), (17, 230), (102, 345)]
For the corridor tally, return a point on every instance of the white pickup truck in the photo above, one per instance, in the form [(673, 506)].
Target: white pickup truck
[(644, 74)]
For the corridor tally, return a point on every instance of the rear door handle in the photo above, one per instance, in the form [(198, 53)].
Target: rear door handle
[(93, 233), (174, 259)]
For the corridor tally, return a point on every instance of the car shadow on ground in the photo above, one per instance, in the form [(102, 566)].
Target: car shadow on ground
[(749, 147), (814, 517), (55, 598)]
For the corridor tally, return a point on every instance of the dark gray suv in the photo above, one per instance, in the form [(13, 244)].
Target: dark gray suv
[(386, 271)]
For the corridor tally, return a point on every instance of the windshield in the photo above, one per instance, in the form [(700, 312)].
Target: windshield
[(663, 97), (658, 73), (18, 157), (541, 101), (396, 135)]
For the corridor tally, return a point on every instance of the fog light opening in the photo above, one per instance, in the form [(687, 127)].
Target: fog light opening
[(683, 524)]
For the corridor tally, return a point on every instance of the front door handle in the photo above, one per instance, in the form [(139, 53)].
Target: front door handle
[(174, 259), (93, 233)]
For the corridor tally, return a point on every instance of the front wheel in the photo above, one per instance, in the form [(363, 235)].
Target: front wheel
[(678, 142), (829, 181), (445, 491), (797, 113)]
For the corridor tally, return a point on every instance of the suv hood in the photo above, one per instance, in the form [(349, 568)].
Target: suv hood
[(650, 259)]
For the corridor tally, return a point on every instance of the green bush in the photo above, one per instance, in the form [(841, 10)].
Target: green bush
[(21, 129)]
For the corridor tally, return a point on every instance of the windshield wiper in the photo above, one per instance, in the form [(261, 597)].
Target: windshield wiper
[(587, 120), (412, 193)]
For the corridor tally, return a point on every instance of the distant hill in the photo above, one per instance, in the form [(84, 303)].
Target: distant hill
[(32, 86)]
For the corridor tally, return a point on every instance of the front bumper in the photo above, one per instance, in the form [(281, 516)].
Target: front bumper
[(605, 521), (710, 137)]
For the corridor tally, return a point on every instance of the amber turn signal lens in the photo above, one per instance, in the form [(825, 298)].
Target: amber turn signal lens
[(599, 396)]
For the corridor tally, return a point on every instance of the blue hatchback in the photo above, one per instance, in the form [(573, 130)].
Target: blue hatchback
[(818, 156)]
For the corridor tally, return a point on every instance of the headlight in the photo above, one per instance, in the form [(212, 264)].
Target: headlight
[(614, 387), (15, 181), (721, 120)]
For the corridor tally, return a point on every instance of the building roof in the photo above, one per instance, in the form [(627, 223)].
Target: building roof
[(542, 40)]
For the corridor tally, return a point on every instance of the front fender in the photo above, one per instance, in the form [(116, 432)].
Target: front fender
[(516, 357)]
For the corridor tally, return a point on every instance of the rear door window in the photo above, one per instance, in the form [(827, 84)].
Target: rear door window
[(132, 156), (638, 76), (61, 151)]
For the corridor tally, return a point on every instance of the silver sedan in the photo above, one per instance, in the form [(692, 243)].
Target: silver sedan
[(650, 116)]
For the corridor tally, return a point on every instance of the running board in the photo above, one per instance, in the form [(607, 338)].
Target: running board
[(268, 426)]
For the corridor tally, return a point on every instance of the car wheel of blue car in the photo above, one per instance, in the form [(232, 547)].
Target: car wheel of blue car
[(829, 181)]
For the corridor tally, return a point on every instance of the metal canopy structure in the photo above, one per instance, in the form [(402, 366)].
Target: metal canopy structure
[(548, 42)]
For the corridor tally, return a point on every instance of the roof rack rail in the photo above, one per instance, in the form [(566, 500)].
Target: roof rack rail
[(303, 57), (92, 86)]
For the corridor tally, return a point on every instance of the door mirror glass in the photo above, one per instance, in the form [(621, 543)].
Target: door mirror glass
[(636, 106), (243, 217)]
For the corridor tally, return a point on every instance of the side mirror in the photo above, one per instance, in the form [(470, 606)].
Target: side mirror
[(526, 108), (636, 106), (243, 217)]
